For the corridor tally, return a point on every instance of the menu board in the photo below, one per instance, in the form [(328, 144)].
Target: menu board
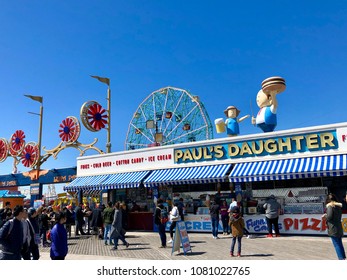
[(181, 238)]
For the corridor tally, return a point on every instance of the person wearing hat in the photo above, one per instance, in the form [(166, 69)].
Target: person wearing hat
[(232, 122)]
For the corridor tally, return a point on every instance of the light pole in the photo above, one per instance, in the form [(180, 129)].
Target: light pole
[(38, 164), (107, 82)]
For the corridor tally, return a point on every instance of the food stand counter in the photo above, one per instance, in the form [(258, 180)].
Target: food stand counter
[(140, 221), (295, 224)]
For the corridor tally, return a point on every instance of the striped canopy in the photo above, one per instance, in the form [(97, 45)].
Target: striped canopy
[(188, 175), (334, 165)]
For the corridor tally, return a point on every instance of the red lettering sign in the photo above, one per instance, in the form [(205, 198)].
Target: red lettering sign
[(304, 224)]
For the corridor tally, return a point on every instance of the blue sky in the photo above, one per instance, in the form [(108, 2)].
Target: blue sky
[(218, 50)]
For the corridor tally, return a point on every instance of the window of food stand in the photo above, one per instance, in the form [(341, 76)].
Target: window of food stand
[(140, 206), (196, 197), (299, 196)]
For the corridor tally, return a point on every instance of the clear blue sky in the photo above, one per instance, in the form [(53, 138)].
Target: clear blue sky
[(219, 50)]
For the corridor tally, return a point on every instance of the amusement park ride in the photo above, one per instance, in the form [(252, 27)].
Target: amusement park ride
[(167, 116), (93, 116)]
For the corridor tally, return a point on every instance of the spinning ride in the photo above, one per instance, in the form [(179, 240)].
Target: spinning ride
[(168, 116)]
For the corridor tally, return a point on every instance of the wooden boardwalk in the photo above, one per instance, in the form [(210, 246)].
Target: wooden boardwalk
[(145, 246)]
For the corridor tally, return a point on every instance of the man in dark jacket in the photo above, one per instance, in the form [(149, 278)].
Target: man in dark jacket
[(79, 219), (34, 246), (97, 222), (70, 220), (117, 231), (214, 213), (161, 226), (5, 213), (11, 236)]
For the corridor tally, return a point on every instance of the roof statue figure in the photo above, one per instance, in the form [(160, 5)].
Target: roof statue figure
[(266, 118), (231, 124)]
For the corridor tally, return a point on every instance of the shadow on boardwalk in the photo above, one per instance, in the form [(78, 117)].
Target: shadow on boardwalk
[(145, 245)]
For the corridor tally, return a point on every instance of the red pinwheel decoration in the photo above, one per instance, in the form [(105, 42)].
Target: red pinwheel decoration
[(93, 116), (69, 130), (3, 149), (17, 142), (30, 155)]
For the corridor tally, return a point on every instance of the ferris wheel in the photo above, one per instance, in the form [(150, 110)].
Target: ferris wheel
[(168, 116)]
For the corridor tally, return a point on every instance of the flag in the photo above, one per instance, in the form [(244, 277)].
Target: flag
[(103, 80), (36, 98)]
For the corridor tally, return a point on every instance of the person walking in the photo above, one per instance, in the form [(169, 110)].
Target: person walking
[(11, 236), (237, 224), (59, 247), (79, 220), (34, 223), (97, 222), (333, 220), (174, 218), (125, 216), (225, 217), (5, 213), (44, 226), (108, 215), (117, 231), (272, 211), (214, 214), (28, 236), (69, 219), (161, 225)]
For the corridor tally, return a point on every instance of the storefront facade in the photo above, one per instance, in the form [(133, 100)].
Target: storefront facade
[(298, 166)]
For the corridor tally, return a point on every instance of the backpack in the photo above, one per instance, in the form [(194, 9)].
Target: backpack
[(164, 216), (9, 231), (2, 217)]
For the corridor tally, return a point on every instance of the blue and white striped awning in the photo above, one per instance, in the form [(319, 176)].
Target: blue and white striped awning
[(125, 180), (321, 166), (87, 183), (188, 175)]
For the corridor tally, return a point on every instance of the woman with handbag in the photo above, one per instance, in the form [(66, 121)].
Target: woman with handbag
[(174, 218)]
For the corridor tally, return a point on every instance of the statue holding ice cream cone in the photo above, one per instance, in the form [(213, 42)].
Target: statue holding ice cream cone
[(231, 124), (266, 118)]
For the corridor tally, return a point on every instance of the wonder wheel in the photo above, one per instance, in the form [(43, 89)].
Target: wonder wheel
[(168, 116)]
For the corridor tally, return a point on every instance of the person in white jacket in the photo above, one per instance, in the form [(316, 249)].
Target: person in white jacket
[(174, 218)]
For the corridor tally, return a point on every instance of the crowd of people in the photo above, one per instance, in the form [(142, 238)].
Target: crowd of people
[(23, 231), (232, 216)]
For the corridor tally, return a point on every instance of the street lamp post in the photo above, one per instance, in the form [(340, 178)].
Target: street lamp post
[(38, 164), (107, 82)]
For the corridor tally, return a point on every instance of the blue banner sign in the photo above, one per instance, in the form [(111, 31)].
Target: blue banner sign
[(299, 143)]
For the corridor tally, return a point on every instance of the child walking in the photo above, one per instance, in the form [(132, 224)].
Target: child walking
[(237, 224)]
